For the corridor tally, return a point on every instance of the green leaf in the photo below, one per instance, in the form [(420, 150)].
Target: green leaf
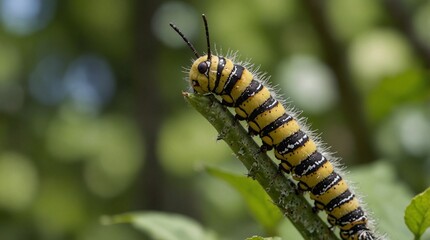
[(417, 214), (263, 238), (374, 182), (162, 226), (257, 200)]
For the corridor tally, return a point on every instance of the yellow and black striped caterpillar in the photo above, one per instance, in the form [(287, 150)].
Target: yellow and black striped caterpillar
[(267, 117)]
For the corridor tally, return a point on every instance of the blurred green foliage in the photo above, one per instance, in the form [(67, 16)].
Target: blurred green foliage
[(92, 120), (159, 225), (257, 200)]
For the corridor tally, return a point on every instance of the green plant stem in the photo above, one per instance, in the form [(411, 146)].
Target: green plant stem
[(261, 167)]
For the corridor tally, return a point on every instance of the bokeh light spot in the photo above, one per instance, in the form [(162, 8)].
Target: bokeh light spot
[(46, 81), (378, 54), (24, 17), (109, 146), (90, 83), (59, 206), (309, 83), (117, 158), (414, 132), (182, 15), (18, 181)]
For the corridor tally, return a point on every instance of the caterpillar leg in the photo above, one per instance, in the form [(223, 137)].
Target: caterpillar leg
[(282, 169), (299, 189), (252, 132), (318, 207), (238, 117), (332, 221), (228, 104), (264, 148), (302, 187)]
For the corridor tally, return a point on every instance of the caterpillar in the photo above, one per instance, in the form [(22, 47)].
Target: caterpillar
[(267, 117)]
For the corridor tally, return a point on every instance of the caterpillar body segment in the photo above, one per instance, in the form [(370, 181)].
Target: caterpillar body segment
[(299, 155), (297, 150)]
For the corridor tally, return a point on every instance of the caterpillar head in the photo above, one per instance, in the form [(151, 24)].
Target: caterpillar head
[(199, 72)]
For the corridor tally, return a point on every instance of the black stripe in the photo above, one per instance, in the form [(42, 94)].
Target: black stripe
[(340, 200), (253, 88), (220, 68), (362, 230), (275, 124), (310, 164), (354, 216), (292, 142), (234, 76), (326, 183), (267, 105)]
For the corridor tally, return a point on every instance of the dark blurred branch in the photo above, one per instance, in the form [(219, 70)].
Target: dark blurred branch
[(351, 102), (403, 19), (151, 183)]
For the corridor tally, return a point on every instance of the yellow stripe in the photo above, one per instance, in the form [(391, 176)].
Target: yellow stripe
[(300, 154), (238, 88), (331, 193), (213, 71), (241, 84), (284, 165), (345, 208), (348, 226), (277, 135), (266, 117), (255, 101), (314, 178)]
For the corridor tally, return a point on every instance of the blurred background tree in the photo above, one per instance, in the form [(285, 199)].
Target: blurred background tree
[(92, 120)]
